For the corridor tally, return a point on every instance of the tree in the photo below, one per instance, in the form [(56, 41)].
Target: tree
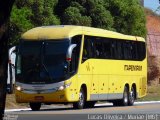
[(153, 68), (85, 12), (5, 9), (129, 17), (43, 12), (101, 17), (124, 16), (27, 14), (19, 22), (73, 16)]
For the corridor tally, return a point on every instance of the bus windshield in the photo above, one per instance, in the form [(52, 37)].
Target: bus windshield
[(41, 61)]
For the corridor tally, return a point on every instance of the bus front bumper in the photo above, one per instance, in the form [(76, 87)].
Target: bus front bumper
[(60, 96)]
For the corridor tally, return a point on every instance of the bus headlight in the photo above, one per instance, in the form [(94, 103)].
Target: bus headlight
[(19, 88), (64, 86), (61, 88)]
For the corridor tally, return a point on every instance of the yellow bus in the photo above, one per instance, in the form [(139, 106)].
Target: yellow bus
[(79, 65)]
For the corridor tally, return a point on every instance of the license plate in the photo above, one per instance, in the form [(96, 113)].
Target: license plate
[(39, 98)]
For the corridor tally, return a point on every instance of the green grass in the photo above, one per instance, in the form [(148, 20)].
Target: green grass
[(153, 93)]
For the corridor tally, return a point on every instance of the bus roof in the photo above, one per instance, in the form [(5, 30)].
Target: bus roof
[(68, 31)]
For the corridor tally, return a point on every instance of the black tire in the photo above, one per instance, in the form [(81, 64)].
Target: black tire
[(90, 104), (132, 97), (81, 102), (116, 102), (125, 100), (35, 106)]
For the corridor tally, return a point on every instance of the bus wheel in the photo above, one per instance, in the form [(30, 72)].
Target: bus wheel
[(116, 103), (35, 106), (131, 97), (125, 100), (81, 102), (90, 104)]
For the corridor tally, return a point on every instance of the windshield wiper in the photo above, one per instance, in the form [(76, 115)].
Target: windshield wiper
[(47, 71), (42, 61)]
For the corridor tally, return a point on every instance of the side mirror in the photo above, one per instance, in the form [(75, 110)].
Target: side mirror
[(69, 52), (11, 51)]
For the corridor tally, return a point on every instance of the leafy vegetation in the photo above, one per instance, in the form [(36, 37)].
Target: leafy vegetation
[(125, 16), (153, 93), (153, 68)]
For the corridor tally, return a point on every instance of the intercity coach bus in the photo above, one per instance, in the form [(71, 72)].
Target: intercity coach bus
[(79, 65)]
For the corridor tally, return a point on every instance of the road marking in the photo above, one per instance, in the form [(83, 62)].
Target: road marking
[(146, 102), (136, 103), (16, 110), (102, 104)]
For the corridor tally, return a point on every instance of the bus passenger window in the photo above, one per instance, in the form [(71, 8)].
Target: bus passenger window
[(76, 53), (99, 49), (119, 50), (113, 50), (85, 54), (107, 49), (85, 51)]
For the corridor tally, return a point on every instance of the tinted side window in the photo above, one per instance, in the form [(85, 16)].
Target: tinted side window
[(120, 53), (114, 49), (117, 49), (99, 48), (88, 48), (107, 49), (141, 49), (127, 50), (76, 53)]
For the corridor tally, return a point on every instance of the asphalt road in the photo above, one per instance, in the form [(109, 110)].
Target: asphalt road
[(149, 111)]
